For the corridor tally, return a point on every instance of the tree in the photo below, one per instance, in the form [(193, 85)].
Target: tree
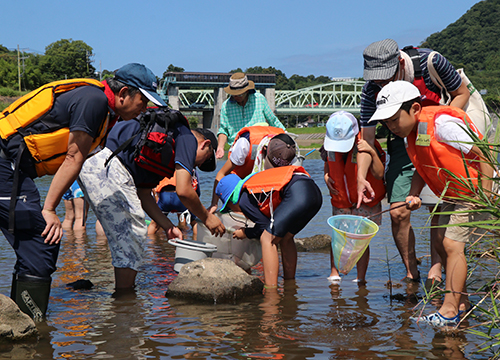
[(67, 59), (172, 68)]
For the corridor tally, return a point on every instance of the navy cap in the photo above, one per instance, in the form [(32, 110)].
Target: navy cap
[(139, 76)]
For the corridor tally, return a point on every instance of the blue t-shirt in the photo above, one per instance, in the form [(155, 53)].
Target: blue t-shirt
[(185, 151)]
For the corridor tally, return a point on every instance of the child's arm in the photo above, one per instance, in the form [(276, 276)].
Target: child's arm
[(377, 168), (486, 169), (413, 200)]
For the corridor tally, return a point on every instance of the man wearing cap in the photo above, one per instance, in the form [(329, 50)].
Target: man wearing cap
[(87, 112), (120, 190), (384, 62), (245, 107)]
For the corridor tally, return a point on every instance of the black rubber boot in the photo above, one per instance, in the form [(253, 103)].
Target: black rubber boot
[(31, 294)]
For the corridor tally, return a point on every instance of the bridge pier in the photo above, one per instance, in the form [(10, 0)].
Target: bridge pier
[(213, 122), (173, 97), (270, 95)]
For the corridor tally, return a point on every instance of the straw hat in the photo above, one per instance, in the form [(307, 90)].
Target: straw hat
[(238, 84)]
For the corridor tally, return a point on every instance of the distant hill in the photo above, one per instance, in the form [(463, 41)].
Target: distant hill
[(473, 43)]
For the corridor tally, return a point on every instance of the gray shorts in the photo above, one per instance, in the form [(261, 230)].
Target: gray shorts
[(113, 196)]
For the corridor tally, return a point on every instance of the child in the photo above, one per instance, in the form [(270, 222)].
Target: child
[(340, 155), (169, 202), (295, 200), (438, 145)]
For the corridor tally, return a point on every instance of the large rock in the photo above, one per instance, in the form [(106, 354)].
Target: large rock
[(14, 324), (214, 280), (314, 243)]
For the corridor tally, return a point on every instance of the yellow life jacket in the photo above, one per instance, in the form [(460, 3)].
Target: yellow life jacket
[(48, 149)]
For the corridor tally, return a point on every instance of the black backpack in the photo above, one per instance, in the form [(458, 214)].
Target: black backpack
[(156, 146)]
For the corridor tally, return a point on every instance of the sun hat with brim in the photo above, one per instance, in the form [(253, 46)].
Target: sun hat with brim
[(341, 130), (229, 189), (381, 60), (238, 84), (392, 96), (139, 76)]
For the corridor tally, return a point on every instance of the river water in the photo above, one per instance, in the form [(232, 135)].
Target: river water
[(308, 319)]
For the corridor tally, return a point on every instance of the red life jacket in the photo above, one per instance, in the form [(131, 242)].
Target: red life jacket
[(428, 97), (269, 183), (344, 173), (435, 160), (257, 133)]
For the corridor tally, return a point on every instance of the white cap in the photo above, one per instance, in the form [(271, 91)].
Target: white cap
[(341, 130), (392, 96)]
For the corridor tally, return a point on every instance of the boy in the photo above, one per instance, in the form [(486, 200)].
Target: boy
[(438, 145), (340, 152)]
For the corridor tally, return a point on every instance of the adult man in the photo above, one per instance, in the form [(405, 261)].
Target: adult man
[(75, 124), (245, 107), (384, 62), (119, 188)]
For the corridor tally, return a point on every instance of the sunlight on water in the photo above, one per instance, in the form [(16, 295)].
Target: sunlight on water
[(308, 318)]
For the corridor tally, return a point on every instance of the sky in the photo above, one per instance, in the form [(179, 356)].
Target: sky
[(324, 37)]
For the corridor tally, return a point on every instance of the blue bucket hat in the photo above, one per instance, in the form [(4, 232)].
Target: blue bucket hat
[(139, 76), (229, 189)]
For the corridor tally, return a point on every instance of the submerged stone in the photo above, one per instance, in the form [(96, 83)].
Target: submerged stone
[(214, 280), (313, 243)]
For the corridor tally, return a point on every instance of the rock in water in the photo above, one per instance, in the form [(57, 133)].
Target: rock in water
[(14, 324), (214, 280)]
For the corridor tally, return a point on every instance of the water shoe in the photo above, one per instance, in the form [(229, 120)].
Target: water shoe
[(436, 319), (335, 280)]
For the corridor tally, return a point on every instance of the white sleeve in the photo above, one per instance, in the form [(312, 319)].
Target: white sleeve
[(450, 130), (240, 151)]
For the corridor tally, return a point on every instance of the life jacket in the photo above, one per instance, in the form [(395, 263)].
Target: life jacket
[(343, 169), (257, 133), (266, 186), (435, 160), (155, 149), (428, 97), (173, 182), (48, 149)]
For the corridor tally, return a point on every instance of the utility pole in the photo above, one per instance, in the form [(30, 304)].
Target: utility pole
[(19, 67)]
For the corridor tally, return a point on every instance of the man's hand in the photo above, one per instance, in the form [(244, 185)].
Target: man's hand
[(219, 154), (214, 225), (174, 233), (53, 230)]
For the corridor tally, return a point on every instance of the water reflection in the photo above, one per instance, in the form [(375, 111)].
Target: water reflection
[(307, 318)]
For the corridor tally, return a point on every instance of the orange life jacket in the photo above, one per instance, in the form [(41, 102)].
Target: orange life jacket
[(269, 183), (257, 133), (344, 173), (435, 160), (172, 181)]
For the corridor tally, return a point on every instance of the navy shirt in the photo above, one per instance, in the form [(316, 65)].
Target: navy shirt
[(185, 146)]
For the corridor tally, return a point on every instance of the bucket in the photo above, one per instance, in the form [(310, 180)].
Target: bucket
[(245, 253), (351, 236), (187, 251)]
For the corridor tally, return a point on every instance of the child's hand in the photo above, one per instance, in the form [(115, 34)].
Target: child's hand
[(330, 184), (239, 234), (364, 146), (413, 202)]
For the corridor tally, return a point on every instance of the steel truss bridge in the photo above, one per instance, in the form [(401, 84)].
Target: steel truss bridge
[(315, 100)]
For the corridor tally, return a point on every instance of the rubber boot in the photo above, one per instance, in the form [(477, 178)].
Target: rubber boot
[(31, 294)]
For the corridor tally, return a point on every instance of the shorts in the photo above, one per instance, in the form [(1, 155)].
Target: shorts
[(461, 233), (74, 192), (363, 210), (112, 194), (399, 172), (169, 202)]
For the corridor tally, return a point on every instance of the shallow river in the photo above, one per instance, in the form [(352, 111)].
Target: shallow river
[(309, 319)]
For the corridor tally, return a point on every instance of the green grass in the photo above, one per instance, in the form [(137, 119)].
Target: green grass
[(308, 130)]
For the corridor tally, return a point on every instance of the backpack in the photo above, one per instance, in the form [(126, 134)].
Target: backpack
[(154, 151)]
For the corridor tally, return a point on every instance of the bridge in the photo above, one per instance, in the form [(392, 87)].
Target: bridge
[(203, 92)]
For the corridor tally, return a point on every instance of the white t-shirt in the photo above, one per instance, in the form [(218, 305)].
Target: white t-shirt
[(450, 130), (239, 151)]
